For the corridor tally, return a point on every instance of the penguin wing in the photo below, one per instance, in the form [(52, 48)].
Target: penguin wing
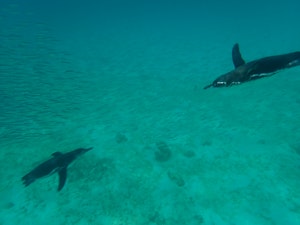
[(237, 57), (62, 178)]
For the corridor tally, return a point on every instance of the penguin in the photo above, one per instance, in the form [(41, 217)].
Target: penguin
[(256, 69), (57, 164)]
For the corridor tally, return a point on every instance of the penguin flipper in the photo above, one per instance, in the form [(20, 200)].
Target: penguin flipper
[(237, 57), (62, 178)]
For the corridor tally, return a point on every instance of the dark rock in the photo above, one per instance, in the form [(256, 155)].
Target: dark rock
[(189, 154), (176, 178), (163, 152), (120, 138)]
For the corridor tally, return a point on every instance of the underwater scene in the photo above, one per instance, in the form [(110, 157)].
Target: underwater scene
[(149, 112)]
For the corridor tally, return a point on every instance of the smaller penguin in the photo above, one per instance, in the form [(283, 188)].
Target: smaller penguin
[(58, 163)]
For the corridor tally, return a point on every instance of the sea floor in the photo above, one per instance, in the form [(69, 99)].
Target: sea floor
[(165, 150)]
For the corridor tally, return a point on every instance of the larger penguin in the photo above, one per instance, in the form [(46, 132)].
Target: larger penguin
[(58, 163), (256, 69)]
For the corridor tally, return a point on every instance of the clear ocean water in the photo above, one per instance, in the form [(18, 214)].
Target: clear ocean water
[(127, 78)]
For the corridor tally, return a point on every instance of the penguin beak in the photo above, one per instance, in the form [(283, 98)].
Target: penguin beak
[(88, 149)]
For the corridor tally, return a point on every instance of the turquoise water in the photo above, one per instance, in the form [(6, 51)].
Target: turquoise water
[(126, 78)]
